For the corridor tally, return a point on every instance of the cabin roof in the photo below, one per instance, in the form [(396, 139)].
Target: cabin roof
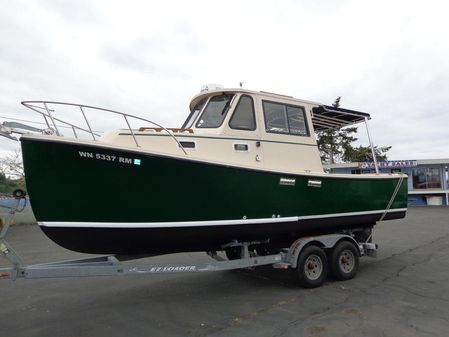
[(324, 117), (199, 96)]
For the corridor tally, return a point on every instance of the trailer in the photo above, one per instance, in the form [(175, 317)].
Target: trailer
[(310, 258)]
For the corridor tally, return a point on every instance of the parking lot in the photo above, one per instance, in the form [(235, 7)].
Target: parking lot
[(403, 292)]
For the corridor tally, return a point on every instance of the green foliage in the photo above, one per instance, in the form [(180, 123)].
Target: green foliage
[(333, 143), (364, 154), (11, 173), (9, 185)]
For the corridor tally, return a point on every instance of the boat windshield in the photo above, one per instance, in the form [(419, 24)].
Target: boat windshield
[(215, 111), (194, 114)]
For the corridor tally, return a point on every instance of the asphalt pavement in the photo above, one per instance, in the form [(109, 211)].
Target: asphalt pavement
[(402, 292)]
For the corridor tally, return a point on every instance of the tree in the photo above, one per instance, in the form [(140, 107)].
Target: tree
[(12, 175), (333, 142), (336, 145), (12, 166), (364, 153)]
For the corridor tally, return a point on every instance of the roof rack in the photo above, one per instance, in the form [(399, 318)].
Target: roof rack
[(325, 117)]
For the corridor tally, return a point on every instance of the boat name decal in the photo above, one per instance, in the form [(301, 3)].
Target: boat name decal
[(164, 269), (287, 181), (111, 158)]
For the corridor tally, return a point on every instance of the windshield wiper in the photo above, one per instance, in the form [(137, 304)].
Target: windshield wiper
[(227, 105)]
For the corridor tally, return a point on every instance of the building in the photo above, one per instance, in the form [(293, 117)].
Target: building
[(427, 178)]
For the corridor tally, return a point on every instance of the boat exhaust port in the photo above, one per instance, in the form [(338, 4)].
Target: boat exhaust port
[(314, 183), (287, 181)]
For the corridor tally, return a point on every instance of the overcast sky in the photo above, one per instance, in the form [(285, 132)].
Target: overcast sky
[(388, 58)]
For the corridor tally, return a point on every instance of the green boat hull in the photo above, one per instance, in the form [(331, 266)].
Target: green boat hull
[(97, 199)]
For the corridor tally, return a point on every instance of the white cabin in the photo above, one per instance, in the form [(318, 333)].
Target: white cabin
[(245, 128)]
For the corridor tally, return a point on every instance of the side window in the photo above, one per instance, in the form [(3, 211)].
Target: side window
[(215, 112), (275, 117), (296, 120), (285, 118), (244, 117)]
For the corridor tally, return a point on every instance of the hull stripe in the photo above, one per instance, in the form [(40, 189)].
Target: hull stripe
[(207, 223)]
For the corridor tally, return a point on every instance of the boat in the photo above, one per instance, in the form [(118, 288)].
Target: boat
[(243, 167)]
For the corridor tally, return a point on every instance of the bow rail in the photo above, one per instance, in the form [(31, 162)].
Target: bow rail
[(47, 110)]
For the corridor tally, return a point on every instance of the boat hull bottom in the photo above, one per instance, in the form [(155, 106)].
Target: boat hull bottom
[(166, 240)]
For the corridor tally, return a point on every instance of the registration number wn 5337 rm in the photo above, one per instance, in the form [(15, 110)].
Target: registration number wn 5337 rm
[(107, 157)]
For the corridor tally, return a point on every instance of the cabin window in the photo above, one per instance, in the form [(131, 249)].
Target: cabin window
[(285, 118), (215, 111), (194, 114), (244, 117)]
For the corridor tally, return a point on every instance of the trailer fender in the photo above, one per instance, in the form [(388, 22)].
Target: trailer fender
[(324, 241)]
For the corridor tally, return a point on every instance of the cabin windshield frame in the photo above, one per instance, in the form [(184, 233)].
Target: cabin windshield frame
[(211, 109), (194, 113)]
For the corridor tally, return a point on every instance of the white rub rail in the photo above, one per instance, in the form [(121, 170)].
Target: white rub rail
[(42, 107)]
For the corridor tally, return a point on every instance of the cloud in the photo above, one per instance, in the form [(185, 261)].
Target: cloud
[(79, 12), (390, 59)]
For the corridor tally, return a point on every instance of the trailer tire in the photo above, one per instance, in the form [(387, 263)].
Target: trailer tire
[(344, 261), (19, 194), (311, 270)]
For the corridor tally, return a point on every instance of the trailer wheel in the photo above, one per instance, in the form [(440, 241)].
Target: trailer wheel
[(344, 261), (311, 270), (19, 194)]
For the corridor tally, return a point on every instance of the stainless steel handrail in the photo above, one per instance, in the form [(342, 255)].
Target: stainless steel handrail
[(49, 113)]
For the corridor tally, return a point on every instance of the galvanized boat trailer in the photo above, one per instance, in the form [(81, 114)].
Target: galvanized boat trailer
[(309, 257)]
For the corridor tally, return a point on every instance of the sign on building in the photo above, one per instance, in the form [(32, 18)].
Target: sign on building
[(390, 164)]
